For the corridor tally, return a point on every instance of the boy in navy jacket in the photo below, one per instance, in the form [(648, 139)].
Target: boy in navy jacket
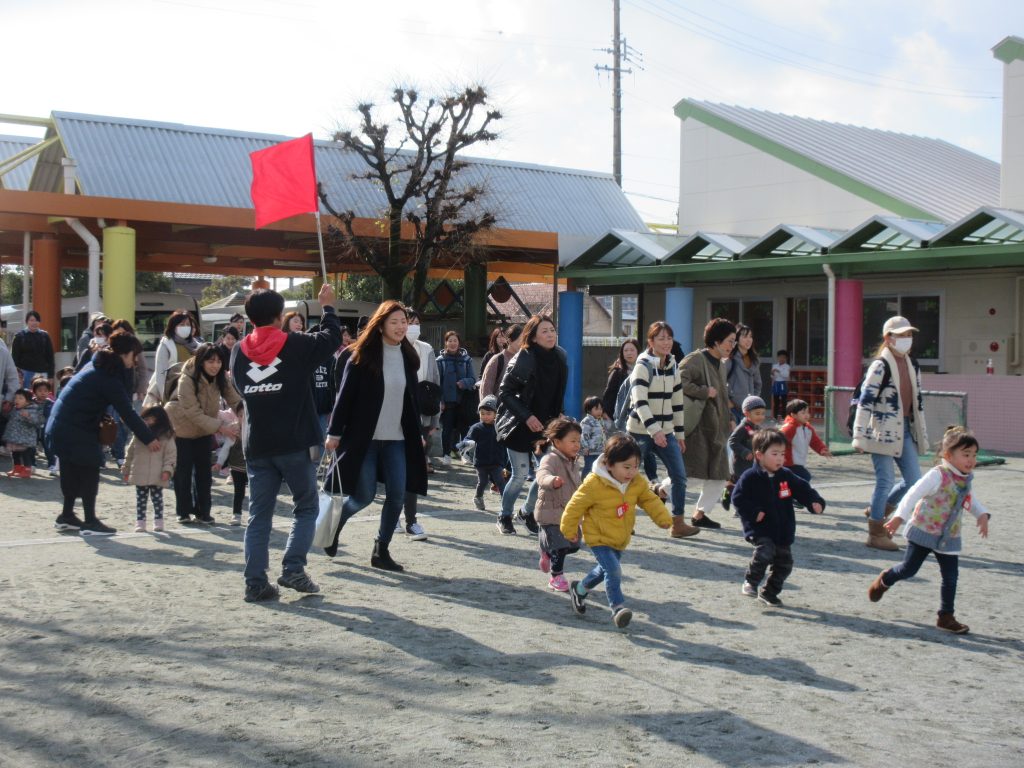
[(763, 498)]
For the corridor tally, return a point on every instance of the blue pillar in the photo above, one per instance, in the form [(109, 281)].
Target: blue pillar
[(570, 338), (679, 314)]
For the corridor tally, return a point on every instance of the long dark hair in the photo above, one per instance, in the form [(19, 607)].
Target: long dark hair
[(493, 345), (742, 329), (368, 349), (620, 361), (204, 352)]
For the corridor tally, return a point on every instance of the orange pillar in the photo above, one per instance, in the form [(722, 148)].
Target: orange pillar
[(46, 286)]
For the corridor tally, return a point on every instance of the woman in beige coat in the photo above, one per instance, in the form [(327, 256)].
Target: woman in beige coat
[(193, 410), (707, 416)]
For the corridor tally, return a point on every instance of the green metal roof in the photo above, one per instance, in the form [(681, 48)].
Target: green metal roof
[(990, 226), (1009, 49), (622, 248), (708, 246), (887, 233), (791, 240)]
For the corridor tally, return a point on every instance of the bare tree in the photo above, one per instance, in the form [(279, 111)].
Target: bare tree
[(418, 176)]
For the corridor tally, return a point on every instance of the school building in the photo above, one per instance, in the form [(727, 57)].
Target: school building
[(814, 232)]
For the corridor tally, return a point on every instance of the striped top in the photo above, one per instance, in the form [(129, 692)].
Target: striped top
[(656, 395)]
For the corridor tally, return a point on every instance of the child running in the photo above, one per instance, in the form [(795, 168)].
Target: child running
[(488, 456), (22, 432), (150, 472), (606, 504), (764, 501), (933, 509), (780, 383), (801, 436), (558, 477), (230, 455), (596, 429), (741, 453)]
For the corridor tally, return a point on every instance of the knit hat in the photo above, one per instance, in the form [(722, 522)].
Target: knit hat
[(750, 402), (489, 403)]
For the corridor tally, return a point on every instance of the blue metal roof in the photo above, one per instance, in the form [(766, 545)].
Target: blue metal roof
[(18, 177), (145, 160)]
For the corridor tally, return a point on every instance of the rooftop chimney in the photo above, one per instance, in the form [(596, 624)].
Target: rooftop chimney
[(1011, 187)]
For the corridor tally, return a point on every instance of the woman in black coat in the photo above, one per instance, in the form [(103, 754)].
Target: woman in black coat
[(530, 395), (375, 426), (72, 430)]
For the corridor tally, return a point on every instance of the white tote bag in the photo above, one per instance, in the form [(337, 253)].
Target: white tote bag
[(331, 500)]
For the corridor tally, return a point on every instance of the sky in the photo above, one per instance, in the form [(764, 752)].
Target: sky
[(291, 67)]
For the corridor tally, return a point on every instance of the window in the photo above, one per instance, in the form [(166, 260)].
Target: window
[(923, 312), (756, 314), (807, 336)]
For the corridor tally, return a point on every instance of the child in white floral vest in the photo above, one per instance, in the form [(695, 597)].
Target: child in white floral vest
[(933, 509)]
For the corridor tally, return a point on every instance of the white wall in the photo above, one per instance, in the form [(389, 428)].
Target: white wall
[(1011, 190), (728, 186)]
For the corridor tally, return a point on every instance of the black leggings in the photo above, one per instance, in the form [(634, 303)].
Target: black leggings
[(79, 481), (240, 481), (26, 457), (193, 459)]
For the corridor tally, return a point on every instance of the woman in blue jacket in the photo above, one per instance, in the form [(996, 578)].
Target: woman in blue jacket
[(72, 431), (457, 381)]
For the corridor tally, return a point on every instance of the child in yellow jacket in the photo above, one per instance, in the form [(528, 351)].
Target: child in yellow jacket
[(606, 504)]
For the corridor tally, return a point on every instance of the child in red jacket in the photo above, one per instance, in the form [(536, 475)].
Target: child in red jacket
[(800, 437)]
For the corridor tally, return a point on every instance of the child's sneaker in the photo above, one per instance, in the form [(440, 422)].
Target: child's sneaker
[(236, 519), (749, 589), (478, 502), (772, 601), (505, 526), (578, 601), (558, 583), (621, 616), (140, 526), (158, 525), (545, 563)]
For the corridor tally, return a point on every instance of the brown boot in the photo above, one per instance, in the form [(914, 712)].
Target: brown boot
[(889, 509), (680, 529), (948, 622), (877, 588), (879, 538)]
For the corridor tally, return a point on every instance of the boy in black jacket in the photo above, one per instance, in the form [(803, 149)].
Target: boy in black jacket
[(488, 457), (764, 501), (273, 370)]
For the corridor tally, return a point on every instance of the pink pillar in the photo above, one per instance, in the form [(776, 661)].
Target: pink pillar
[(849, 332)]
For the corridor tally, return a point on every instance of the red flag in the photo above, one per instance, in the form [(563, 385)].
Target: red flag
[(284, 180)]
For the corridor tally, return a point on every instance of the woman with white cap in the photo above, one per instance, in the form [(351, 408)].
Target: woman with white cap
[(890, 426)]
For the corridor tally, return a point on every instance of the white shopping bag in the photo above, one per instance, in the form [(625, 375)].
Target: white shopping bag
[(331, 500)]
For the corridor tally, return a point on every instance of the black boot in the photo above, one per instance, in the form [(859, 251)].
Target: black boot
[(381, 558), (332, 549)]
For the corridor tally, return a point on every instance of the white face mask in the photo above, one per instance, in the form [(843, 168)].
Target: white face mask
[(903, 344), (183, 331), (413, 333)]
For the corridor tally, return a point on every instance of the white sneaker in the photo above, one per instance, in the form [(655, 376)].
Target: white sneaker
[(399, 528), (416, 532), (236, 519), (53, 470), (749, 589), (446, 460)]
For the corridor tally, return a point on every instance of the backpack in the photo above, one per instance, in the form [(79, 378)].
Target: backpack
[(623, 401), (428, 398), (886, 379), (171, 382)]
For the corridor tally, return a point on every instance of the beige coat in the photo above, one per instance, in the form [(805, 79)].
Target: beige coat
[(551, 501), (195, 406), (145, 467), (706, 457)]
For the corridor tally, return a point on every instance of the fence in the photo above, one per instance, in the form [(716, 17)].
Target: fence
[(941, 410)]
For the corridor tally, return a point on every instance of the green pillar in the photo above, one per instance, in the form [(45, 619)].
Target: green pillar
[(119, 273), (474, 300)]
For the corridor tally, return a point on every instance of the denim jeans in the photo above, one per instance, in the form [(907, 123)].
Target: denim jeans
[(609, 571), (265, 478), (887, 490), (949, 567), (672, 458), (449, 435), (769, 554), (387, 457), (588, 464), (520, 461)]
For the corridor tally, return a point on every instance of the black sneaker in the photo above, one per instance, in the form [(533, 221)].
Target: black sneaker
[(621, 617), (529, 521), (704, 522), (184, 520), (207, 520), (578, 603), (299, 581), (259, 593), (726, 498), (505, 526), (96, 528), (68, 523), (772, 601)]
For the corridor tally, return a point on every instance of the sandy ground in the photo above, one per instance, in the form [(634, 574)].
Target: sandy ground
[(138, 650)]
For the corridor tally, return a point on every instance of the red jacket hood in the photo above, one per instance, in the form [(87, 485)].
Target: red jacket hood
[(263, 344)]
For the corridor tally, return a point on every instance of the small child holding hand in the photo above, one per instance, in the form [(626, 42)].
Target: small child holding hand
[(764, 501), (150, 472)]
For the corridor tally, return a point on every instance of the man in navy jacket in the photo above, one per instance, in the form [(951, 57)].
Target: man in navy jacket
[(272, 370)]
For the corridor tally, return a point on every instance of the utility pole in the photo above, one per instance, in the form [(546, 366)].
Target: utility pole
[(620, 52)]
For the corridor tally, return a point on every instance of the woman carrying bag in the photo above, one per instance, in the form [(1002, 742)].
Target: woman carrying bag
[(375, 427), (455, 367)]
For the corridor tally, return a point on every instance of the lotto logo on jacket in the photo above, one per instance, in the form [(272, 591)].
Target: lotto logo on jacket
[(258, 374)]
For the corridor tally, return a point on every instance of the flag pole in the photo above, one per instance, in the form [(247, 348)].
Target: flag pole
[(320, 241)]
